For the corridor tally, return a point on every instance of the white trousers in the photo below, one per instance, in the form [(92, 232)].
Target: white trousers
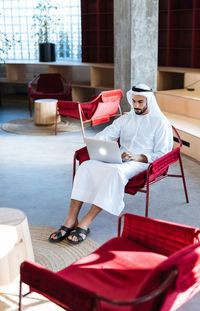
[(103, 184)]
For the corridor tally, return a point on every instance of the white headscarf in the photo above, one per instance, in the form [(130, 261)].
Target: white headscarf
[(144, 90)]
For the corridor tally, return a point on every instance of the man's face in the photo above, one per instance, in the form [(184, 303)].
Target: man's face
[(140, 104)]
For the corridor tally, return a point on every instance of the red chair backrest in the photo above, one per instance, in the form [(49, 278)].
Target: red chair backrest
[(161, 236), (109, 103), (50, 83)]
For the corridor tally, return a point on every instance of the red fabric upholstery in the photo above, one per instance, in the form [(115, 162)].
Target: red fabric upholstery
[(82, 155), (160, 236), (50, 83), (89, 108), (99, 110), (112, 266), (41, 95), (70, 109), (125, 268), (158, 167), (187, 263)]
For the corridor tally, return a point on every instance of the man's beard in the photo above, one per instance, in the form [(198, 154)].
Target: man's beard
[(140, 111)]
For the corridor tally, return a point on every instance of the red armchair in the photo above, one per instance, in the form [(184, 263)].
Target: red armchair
[(156, 171), (48, 85), (153, 265), (99, 110)]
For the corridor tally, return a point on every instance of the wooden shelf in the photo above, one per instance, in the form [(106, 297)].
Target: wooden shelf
[(97, 31), (179, 33), (86, 78), (169, 78)]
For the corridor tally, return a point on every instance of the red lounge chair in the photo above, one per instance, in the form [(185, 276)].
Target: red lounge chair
[(153, 265), (99, 110), (156, 171), (48, 85)]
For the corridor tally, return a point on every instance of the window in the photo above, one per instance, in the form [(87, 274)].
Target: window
[(17, 24)]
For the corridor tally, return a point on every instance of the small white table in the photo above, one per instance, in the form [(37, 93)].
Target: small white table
[(45, 111), (15, 243)]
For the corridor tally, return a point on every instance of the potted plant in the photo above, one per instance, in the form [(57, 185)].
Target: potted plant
[(64, 46), (5, 45), (44, 23)]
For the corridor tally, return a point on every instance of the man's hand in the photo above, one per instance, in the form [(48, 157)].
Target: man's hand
[(128, 156)]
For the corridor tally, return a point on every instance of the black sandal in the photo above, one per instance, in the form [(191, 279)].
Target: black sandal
[(76, 233), (60, 237)]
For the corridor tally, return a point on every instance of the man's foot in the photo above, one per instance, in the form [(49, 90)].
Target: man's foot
[(78, 235), (60, 235)]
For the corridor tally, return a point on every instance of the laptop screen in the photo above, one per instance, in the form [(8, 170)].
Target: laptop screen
[(103, 150)]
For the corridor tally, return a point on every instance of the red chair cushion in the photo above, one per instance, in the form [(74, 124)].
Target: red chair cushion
[(116, 270)]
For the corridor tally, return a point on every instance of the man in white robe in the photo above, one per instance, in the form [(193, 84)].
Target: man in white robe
[(145, 135)]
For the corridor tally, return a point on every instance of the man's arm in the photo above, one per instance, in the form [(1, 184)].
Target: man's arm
[(163, 142), (111, 132)]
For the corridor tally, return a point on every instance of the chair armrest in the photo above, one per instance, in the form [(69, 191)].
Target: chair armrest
[(29, 88), (80, 155), (54, 286), (34, 80), (178, 136), (32, 84), (167, 283), (160, 165), (67, 88)]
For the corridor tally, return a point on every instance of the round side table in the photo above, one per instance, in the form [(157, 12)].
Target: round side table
[(15, 243), (45, 111)]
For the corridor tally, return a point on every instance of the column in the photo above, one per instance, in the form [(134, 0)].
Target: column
[(135, 44)]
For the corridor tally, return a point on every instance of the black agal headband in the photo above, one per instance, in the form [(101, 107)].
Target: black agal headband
[(136, 89)]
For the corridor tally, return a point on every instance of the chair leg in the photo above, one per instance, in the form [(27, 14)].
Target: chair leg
[(56, 125), (147, 191), (30, 106), (147, 201), (81, 120), (183, 178), (20, 296)]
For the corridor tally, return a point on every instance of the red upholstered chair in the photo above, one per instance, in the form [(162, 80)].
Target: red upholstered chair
[(153, 265), (48, 85), (99, 110), (156, 171)]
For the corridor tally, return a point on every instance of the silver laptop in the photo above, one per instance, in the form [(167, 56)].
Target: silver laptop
[(103, 150)]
